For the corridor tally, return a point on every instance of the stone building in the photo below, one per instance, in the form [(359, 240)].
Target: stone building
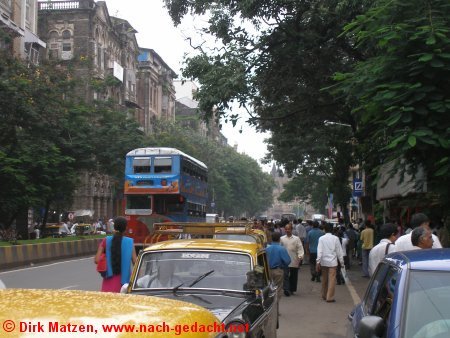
[(188, 114), (18, 27), (101, 49), (301, 208), (156, 92)]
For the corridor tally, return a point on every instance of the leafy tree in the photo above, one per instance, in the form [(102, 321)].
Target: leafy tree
[(48, 136), (275, 59), (31, 160), (402, 91)]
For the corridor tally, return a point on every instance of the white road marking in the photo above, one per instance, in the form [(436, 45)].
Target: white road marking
[(68, 287), (45, 265), (353, 293)]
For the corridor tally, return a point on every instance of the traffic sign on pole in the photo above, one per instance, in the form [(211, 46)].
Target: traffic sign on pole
[(357, 187)]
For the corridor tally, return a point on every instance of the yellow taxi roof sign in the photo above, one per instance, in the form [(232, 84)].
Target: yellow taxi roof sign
[(201, 228)]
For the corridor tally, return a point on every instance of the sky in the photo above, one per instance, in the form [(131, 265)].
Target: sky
[(156, 31)]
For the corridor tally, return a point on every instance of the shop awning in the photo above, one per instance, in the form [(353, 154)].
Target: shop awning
[(33, 38)]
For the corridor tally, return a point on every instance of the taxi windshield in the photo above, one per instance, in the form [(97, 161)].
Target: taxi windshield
[(192, 269)]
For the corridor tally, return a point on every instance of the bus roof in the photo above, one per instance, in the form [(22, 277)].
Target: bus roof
[(163, 151)]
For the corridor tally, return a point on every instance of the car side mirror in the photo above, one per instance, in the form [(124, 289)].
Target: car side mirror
[(255, 279), (371, 327)]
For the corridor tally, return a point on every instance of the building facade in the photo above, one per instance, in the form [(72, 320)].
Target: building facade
[(189, 115), (156, 92), (102, 50), (18, 29)]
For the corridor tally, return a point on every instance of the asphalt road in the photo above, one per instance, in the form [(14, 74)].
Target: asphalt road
[(76, 274), (304, 314)]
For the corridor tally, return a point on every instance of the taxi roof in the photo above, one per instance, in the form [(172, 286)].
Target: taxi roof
[(206, 244)]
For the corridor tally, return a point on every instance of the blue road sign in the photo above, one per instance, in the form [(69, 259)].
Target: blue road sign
[(357, 187)]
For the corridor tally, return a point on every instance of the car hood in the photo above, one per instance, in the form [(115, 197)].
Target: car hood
[(220, 305), (97, 309)]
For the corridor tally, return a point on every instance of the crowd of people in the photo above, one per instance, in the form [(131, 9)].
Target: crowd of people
[(332, 249)]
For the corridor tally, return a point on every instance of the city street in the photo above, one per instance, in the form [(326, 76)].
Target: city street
[(304, 314)]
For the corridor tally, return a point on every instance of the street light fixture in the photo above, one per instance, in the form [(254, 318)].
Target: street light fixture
[(330, 123)]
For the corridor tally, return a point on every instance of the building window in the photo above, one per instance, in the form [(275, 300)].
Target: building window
[(53, 36), (67, 47), (53, 54), (28, 10), (66, 35)]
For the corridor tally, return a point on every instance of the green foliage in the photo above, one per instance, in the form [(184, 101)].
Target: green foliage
[(403, 90), (47, 137), (236, 183), (275, 59)]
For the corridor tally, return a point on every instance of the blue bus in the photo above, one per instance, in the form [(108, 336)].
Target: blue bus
[(162, 185)]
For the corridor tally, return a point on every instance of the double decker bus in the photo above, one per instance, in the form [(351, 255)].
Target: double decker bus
[(162, 185)]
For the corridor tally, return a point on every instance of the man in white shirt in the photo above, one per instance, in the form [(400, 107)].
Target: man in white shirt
[(296, 252), (417, 220), (421, 238), (64, 229), (329, 252), (388, 233)]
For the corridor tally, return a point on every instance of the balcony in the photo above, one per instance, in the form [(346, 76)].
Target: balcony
[(65, 5)]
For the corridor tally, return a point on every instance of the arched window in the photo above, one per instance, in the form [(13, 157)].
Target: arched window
[(66, 34), (53, 36)]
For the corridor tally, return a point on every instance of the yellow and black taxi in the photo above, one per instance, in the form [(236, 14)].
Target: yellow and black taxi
[(229, 278), (64, 313)]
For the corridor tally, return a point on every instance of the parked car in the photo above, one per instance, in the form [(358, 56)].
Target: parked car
[(229, 278), (407, 297), (57, 313)]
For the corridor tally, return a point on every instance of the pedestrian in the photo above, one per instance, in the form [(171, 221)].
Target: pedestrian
[(119, 255), (329, 253), (312, 241), (340, 233), (352, 240), (295, 250), (443, 234), (388, 233), (404, 243), (367, 236), (421, 238), (63, 229), (301, 231), (279, 260)]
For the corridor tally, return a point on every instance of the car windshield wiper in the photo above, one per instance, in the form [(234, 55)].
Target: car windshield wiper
[(199, 278), (175, 289)]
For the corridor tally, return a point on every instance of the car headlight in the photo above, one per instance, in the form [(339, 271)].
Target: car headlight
[(237, 329)]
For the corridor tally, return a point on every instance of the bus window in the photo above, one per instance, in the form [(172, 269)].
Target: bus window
[(163, 165), (167, 203), (141, 165), (138, 202)]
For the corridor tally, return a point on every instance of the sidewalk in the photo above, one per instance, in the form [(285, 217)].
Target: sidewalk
[(305, 314)]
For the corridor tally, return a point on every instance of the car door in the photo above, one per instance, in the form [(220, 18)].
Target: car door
[(269, 300), (379, 297), (364, 308), (385, 300)]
